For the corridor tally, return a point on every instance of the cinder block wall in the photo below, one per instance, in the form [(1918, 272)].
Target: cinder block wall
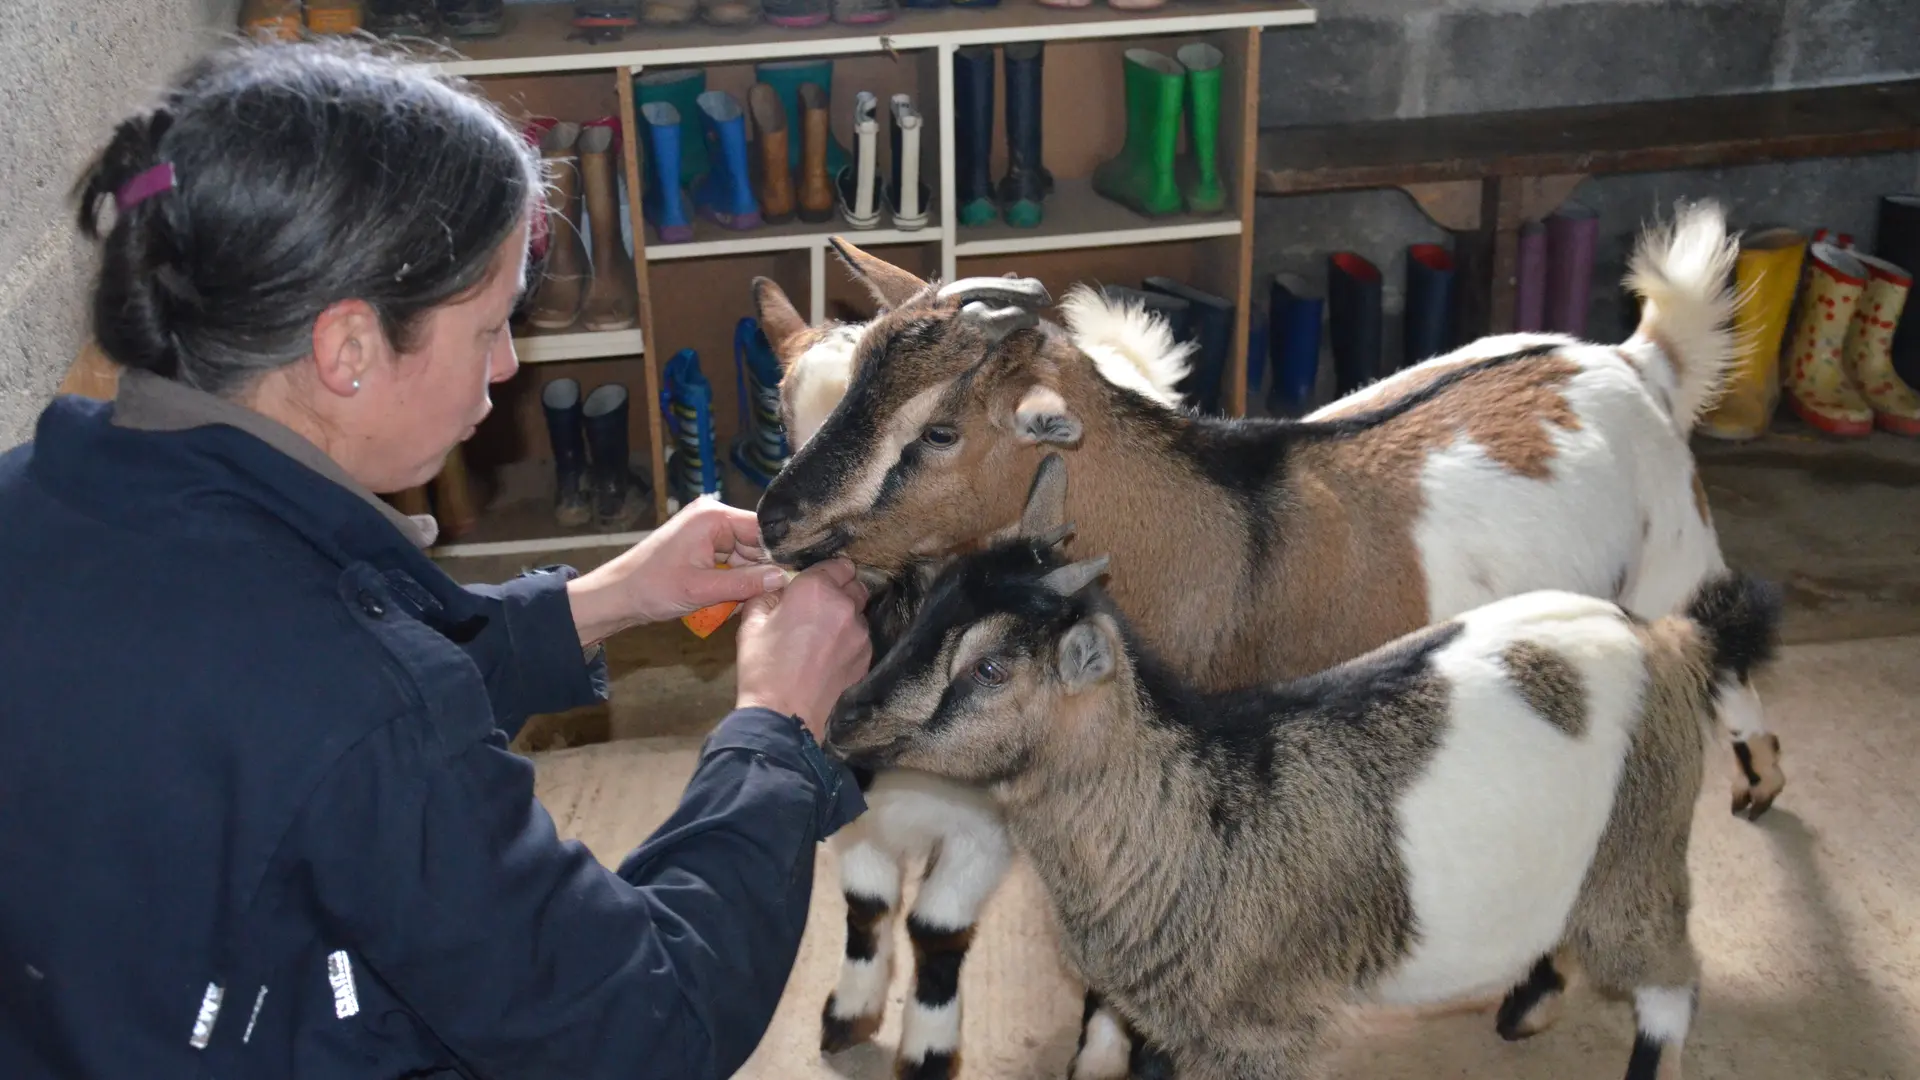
[(1379, 59), (69, 69)]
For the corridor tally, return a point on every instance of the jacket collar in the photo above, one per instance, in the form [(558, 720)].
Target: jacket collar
[(147, 402)]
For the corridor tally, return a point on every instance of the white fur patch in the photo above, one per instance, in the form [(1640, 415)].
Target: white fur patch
[(929, 1029), (816, 381), (1129, 345), (1664, 1013), (1104, 1056), (1740, 710), (1498, 833), (862, 988), (867, 869)]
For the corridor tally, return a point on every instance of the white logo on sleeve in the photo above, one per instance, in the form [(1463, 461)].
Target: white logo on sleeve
[(346, 1001)]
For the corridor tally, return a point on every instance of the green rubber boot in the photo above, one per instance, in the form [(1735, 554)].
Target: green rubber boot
[(1141, 177), (785, 76), (1200, 170), (680, 88)]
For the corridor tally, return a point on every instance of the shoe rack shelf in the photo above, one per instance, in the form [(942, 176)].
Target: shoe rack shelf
[(692, 293)]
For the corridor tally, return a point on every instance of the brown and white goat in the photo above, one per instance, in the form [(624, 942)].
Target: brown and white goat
[(1410, 827), (1268, 549)]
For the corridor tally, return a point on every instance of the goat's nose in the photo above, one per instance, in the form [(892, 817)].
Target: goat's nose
[(776, 520)]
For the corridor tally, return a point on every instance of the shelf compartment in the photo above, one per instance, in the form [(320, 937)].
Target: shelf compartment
[(710, 240), (1077, 217), (552, 347), (535, 37)]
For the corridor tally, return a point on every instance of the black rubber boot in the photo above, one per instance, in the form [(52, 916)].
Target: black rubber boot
[(560, 400), (1353, 320), (973, 135), (1210, 321), (619, 496), (1027, 182), (1429, 312), (1897, 239), (473, 18), (399, 18)]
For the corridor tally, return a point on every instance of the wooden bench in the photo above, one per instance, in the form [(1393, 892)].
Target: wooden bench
[(1482, 175)]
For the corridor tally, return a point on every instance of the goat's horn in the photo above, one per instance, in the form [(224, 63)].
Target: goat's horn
[(1026, 292), (997, 323), (1073, 577)]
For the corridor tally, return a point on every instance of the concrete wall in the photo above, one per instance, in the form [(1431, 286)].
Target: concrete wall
[(69, 69), (1379, 59)]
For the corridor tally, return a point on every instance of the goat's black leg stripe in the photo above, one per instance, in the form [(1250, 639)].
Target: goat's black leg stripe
[(1645, 1062), (1522, 999), (863, 914), (937, 956), (1745, 754)]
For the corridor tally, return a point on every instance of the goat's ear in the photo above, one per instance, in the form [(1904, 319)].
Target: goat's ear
[(1042, 417), (1046, 511), (889, 285), (1071, 578), (1087, 654), (786, 331)]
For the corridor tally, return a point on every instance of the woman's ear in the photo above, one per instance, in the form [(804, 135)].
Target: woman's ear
[(348, 344)]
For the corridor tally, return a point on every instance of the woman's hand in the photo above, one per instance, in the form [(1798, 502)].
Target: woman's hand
[(671, 573), (802, 647)]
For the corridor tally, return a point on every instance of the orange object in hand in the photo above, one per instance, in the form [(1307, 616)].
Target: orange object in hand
[(708, 619)]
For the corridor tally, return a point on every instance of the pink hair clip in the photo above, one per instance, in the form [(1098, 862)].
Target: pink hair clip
[(148, 184)]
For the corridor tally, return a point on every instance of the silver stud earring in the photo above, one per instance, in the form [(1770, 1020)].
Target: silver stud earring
[(356, 384)]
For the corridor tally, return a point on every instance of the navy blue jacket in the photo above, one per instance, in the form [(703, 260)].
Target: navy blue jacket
[(257, 814)]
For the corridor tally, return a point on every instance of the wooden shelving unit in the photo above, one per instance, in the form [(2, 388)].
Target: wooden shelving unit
[(691, 295)]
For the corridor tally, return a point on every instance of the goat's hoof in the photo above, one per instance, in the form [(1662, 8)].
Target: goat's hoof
[(935, 1066), (839, 1033), (1534, 1005), (1761, 779)]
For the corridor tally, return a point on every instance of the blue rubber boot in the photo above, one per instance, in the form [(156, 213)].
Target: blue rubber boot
[(1293, 346), (761, 450), (785, 76), (726, 195), (664, 203), (680, 88), (686, 402)]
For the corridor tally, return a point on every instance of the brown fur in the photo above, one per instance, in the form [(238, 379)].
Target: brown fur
[(1345, 563), (1549, 684), (1629, 929)]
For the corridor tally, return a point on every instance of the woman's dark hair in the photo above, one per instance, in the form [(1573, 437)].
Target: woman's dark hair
[(304, 174)]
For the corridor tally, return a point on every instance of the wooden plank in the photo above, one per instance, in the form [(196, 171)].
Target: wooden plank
[(1244, 116), (1635, 137), (539, 37), (631, 137)]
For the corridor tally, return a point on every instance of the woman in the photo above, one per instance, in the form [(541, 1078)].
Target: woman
[(259, 815)]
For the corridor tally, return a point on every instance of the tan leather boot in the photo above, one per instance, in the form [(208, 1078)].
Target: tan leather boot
[(816, 189), (412, 501), (611, 297), (556, 301), (456, 509), (770, 154)]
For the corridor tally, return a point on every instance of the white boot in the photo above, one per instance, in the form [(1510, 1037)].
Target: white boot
[(907, 194), (855, 182)]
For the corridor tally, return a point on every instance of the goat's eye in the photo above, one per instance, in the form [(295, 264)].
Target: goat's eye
[(940, 437), (989, 672)]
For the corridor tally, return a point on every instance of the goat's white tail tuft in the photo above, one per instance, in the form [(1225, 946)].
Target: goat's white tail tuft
[(1682, 272), (1129, 344)]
